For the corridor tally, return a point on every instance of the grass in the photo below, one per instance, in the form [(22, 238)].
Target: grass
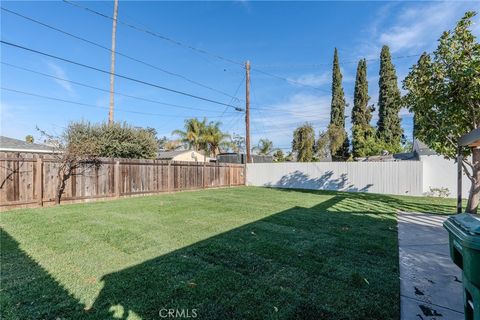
[(239, 253)]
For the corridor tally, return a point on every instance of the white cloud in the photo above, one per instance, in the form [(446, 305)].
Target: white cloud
[(417, 27), (315, 80), (60, 73), (325, 78), (405, 113), (278, 122)]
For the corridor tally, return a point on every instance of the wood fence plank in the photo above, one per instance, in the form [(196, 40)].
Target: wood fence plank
[(32, 180)]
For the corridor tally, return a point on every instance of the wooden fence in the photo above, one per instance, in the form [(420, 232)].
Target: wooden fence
[(31, 180)]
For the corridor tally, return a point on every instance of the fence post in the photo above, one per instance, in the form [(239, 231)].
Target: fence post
[(169, 176), (245, 174), (39, 181), (230, 175), (204, 174), (116, 179)]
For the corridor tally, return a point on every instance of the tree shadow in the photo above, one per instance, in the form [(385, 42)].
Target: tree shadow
[(28, 291), (300, 180), (380, 203), (301, 263)]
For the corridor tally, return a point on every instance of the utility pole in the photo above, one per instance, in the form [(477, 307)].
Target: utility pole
[(112, 65), (247, 111)]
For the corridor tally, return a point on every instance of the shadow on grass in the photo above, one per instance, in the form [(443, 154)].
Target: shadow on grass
[(380, 203), (27, 290), (325, 262)]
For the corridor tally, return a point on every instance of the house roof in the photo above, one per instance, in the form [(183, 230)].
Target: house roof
[(167, 155), (471, 139), (390, 157), (16, 145), (422, 149)]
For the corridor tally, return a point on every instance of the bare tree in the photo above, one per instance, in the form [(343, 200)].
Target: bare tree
[(76, 151)]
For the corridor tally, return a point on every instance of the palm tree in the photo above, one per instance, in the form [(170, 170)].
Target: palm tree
[(264, 147), (192, 135), (213, 138)]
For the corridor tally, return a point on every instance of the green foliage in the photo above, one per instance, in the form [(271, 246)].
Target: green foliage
[(214, 139), (204, 136), (364, 142), (338, 143), (407, 146), (117, 140), (120, 140), (389, 129), (304, 142), (444, 92), (29, 139), (279, 156), (337, 113), (323, 146), (238, 143), (264, 147), (191, 135), (79, 142)]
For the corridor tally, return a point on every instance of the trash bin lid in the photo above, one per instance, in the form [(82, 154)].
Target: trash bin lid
[(468, 222)]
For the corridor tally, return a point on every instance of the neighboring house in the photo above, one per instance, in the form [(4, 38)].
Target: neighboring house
[(241, 158), (390, 157), (182, 155), (15, 145), (419, 149)]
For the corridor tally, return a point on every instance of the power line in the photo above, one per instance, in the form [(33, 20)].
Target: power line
[(156, 34), (104, 90), (146, 83), (86, 104), (189, 46), (175, 74), (317, 65), (289, 80), (234, 95), (117, 52), (121, 76), (153, 33)]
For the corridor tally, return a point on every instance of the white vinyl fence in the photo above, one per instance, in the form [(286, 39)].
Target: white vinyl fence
[(401, 178)]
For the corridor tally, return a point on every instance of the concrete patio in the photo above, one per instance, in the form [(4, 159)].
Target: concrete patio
[(430, 284)]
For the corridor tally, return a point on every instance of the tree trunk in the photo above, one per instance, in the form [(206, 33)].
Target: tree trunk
[(474, 196), (60, 186)]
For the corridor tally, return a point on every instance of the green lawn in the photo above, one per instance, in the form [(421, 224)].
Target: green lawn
[(239, 253)]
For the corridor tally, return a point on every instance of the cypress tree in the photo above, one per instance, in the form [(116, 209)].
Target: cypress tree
[(363, 137), (337, 113), (389, 130)]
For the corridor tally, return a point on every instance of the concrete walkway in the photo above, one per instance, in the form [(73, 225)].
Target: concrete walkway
[(430, 284)]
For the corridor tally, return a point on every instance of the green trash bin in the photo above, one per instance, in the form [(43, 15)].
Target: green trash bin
[(464, 239)]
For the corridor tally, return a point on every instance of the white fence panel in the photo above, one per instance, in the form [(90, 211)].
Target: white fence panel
[(401, 178)]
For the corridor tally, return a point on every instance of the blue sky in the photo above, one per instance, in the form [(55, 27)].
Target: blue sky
[(293, 40)]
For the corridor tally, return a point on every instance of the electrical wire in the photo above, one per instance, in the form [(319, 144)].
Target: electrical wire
[(120, 76), (105, 90), (155, 34), (117, 52), (234, 95), (317, 65), (86, 104)]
